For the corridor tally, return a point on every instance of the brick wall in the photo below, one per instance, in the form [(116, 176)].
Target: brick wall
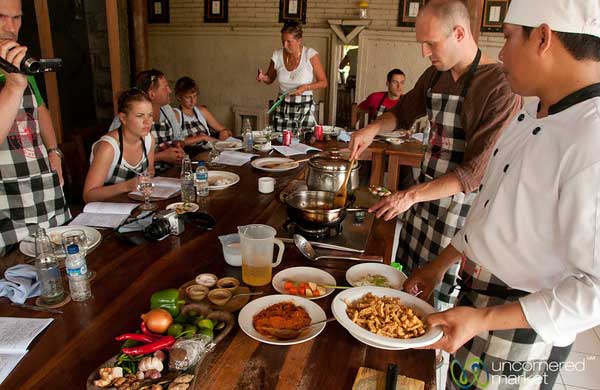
[(264, 13)]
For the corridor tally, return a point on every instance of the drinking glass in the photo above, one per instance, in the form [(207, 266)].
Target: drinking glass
[(145, 187), (213, 154)]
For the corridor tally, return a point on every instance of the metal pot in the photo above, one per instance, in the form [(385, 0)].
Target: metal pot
[(314, 208), (327, 171)]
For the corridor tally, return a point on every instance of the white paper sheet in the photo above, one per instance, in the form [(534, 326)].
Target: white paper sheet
[(230, 157), (99, 220), (295, 149), (110, 207)]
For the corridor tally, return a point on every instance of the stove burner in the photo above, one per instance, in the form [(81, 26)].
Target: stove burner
[(315, 233)]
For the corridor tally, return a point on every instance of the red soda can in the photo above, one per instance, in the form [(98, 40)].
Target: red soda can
[(319, 132), (287, 137)]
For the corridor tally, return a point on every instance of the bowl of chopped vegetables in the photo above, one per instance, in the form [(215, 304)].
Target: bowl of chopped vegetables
[(374, 274)]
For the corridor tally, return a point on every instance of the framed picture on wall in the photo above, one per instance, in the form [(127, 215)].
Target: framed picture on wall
[(292, 10), (494, 12), (408, 12), (158, 11), (215, 11)]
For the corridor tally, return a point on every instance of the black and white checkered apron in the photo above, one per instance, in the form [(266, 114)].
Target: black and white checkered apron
[(295, 113), (194, 126), (123, 173), (163, 131), (512, 359), (30, 191), (428, 227)]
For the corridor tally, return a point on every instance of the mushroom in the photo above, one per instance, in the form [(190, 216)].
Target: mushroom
[(225, 317)]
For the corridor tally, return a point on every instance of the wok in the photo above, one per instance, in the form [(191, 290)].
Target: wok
[(315, 209)]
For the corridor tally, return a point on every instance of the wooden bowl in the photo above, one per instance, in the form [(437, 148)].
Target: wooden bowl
[(228, 283)]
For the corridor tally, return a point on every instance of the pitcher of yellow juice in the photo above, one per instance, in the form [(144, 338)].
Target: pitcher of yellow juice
[(257, 253)]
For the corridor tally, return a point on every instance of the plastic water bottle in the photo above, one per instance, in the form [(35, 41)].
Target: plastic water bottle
[(201, 181), (79, 283), (47, 269), (247, 133), (188, 193)]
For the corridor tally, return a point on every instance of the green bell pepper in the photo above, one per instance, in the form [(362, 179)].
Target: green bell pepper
[(167, 299)]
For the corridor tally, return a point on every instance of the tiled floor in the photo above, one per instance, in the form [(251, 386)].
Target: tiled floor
[(584, 374)]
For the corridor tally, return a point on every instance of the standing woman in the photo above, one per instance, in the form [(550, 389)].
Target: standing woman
[(196, 121), (295, 67), (119, 156)]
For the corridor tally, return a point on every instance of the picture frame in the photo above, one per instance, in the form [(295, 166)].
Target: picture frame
[(408, 12), (216, 11), (158, 11), (494, 12), (292, 11)]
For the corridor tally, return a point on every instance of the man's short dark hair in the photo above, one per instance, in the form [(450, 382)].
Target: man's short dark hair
[(148, 79), (393, 72), (184, 85), (580, 46)]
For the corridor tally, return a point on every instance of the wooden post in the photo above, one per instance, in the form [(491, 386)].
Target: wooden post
[(139, 43), (43, 21), (114, 48), (476, 12)]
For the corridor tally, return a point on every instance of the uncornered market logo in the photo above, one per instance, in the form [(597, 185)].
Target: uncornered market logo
[(477, 366)]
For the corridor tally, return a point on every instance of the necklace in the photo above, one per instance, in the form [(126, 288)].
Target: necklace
[(290, 60)]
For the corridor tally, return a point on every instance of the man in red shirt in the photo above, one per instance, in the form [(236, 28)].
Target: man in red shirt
[(379, 102)]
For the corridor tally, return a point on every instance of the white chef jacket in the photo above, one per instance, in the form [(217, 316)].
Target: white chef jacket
[(536, 222)]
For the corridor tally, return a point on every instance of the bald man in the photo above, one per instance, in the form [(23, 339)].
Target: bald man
[(468, 101)]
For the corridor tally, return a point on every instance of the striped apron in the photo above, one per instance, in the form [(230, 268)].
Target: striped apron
[(30, 191), (505, 359), (428, 227), (123, 173), (295, 113)]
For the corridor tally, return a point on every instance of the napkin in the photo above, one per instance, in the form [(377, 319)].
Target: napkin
[(19, 283), (418, 137), (344, 136)]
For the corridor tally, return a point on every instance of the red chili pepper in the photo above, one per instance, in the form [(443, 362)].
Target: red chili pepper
[(147, 332), (164, 342), (144, 338)]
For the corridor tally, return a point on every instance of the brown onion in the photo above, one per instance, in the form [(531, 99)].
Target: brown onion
[(157, 320)]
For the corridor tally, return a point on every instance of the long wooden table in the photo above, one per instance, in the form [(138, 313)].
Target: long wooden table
[(81, 338)]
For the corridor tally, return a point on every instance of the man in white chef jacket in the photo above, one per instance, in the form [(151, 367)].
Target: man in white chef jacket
[(530, 247)]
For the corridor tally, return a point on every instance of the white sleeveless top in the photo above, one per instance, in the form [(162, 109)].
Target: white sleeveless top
[(115, 145), (303, 74)]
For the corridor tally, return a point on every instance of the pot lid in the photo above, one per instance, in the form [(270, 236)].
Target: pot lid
[(333, 160)]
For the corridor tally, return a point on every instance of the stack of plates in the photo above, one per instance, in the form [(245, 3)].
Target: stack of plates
[(338, 307)]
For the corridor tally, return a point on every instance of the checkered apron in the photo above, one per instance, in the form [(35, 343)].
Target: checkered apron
[(195, 126), (30, 192), (295, 113), (123, 173), (428, 227), (163, 131), (504, 353)]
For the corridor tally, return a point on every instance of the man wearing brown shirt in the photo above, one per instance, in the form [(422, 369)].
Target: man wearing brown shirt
[(468, 101)]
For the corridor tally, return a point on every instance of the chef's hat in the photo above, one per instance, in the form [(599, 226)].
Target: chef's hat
[(570, 16)]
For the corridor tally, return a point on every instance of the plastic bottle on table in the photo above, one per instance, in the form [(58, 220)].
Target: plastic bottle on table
[(247, 133), (188, 193), (76, 266), (201, 180), (47, 269)]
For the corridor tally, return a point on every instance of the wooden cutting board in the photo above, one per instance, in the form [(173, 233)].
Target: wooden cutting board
[(369, 379)]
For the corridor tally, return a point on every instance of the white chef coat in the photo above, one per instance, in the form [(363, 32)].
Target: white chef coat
[(536, 222)]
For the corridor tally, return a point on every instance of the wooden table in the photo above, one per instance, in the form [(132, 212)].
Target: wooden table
[(408, 153), (81, 338)]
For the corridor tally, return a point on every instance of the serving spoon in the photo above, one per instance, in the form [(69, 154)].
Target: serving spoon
[(309, 252), (339, 200), (287, 334)]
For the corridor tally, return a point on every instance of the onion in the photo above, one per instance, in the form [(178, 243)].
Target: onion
[(157, 320)]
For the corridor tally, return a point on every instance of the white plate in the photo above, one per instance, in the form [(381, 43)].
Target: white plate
[(338, 307), (331, 130), (93, 236), (374, 344), (259, 162), (359, 271), (263, 147), (251, 309), (303, 274), (228, 145), (191, 207), (232, 177), (395, 141), (393, 134)]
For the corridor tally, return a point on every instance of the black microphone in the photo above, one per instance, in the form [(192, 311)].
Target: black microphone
[(32, 65)]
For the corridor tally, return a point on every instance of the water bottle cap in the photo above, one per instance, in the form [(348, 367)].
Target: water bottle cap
[(398, 266), (201, 163), (72, 249)]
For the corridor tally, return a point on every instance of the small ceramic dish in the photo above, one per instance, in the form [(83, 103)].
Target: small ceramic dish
[(228, 283), (219, 296), (196, 292), (395, 141), (206, 280)]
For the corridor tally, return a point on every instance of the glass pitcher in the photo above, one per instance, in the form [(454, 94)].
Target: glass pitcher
[(257, 253)]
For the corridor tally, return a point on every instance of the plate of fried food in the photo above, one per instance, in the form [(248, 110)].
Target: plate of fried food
[(385, 318), (258, 318), (183, 207), (219, 180)]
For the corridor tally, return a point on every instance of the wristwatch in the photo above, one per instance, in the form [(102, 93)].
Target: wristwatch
[(58, 152)]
